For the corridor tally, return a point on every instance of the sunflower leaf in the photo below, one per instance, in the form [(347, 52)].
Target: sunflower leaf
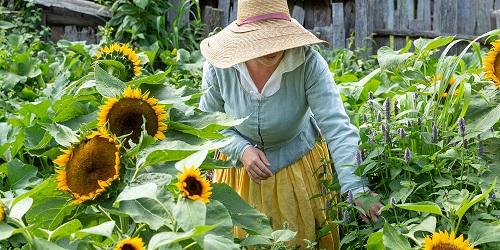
[(215, 242), (105, 229), (167, 238), (147, 190), (106, 84), (20, 208), (393, 240), (62, 134), (189, 214), (481, 233), (218, 214)]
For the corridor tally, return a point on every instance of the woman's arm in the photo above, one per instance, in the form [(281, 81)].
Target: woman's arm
[(212, 101), (342, 137)]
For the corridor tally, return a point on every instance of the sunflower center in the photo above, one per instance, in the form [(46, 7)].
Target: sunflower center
[(496, 66), (93, 160), (445, 246), (193, 186), (128, 247), (126, 117)]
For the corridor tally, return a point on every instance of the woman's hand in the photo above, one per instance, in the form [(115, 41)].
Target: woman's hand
[(256, 164), (372, 213)]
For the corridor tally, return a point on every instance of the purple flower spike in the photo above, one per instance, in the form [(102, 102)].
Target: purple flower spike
[(435, 133), (402, 133), (387, 108), (461, 127), (379, 117), (346, 218), (407, 156), (385, 132), (359, 158), (350, 197), (493, 196)]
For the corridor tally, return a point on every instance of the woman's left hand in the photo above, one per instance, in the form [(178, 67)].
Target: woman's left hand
[(373, 213)]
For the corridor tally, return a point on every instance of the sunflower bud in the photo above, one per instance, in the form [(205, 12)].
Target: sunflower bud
[(346, 218), (435, 133), (407, 156), (461, 126), (387, 108)]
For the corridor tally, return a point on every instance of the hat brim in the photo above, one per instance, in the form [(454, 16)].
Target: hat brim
[(235, 44)]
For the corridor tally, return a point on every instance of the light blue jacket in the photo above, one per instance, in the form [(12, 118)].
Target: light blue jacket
[(287, 124)]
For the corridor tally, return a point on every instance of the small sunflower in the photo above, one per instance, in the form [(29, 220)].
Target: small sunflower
[(89, 168), (2, 212), (123, 54), (492, 63), (193, 186), (446, 241), (135, 243), (451, 82), (125, 116)]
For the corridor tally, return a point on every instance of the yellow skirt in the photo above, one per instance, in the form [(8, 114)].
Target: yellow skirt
[(286, 196)]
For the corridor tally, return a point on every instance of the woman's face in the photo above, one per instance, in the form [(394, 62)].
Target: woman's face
[(270, 60)]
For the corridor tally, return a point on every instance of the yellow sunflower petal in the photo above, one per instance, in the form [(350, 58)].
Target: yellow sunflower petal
[(135, 243)]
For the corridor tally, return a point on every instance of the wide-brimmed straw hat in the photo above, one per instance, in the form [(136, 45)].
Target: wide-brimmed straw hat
[(262, 27)]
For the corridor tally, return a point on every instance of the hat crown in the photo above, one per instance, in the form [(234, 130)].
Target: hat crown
[(252, 8)]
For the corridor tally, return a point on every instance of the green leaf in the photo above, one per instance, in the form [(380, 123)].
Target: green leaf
[(6, 25), (252, 240), (242, 214), (147, 190), (393, 240), (283, 235), (431, 44), (375, 241), (487, 121), (152, 79), (42, 244), (194, 160), (105, 229), (6, 231), (424, 206), (35, 137), (166, 238), (20, 208), (387, 57), (106, 84), (69, 107), (20, 175), (218, 214), (427, 225), (65, 230), (141, 3), (189, 213), (62, 134), (153, 212), (481, 233), (468, 203), (50, 206), (215, 242)]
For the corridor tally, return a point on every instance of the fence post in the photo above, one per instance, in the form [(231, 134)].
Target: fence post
[(224, 6), (299, 14), (338, 33), (362, 23)]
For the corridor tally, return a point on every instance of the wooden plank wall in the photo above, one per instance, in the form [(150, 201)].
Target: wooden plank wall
[(375, 23)]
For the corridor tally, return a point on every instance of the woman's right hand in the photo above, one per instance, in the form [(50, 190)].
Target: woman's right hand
[(256, 164)]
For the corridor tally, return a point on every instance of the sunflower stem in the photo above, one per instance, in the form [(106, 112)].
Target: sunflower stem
[(109, 217), (190, 245)]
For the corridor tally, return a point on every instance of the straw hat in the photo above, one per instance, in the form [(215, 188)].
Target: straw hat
[(262, 27)]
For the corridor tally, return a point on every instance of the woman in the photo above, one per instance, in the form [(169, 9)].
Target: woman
[(260, 68)]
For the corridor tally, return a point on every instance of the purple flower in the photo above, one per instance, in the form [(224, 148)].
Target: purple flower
[(493, 196), (407, 156), (461, 126), (396, 108), (402, 133), (385, 132), (346, 218), (359, 158), (416, 96), (379, 117), (328, 203), (435, 133), (350, 197), (387, 108)]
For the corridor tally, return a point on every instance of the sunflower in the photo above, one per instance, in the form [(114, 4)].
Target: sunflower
[(2, 212), (89, 167), (123, 54), (135, 243), (193, 186), (445, 241), (451, 82), (492, 63), (126, 115)]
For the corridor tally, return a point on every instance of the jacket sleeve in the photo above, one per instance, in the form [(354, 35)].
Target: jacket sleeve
[(212, 101), (342, 137)]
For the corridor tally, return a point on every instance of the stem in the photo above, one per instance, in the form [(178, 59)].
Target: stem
[(138, 230), (190, 245), (109, 217)]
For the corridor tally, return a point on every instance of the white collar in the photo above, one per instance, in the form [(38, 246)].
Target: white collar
[(290, 61)]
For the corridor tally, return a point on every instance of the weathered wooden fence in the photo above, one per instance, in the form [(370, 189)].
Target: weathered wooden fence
[(384, 21)]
